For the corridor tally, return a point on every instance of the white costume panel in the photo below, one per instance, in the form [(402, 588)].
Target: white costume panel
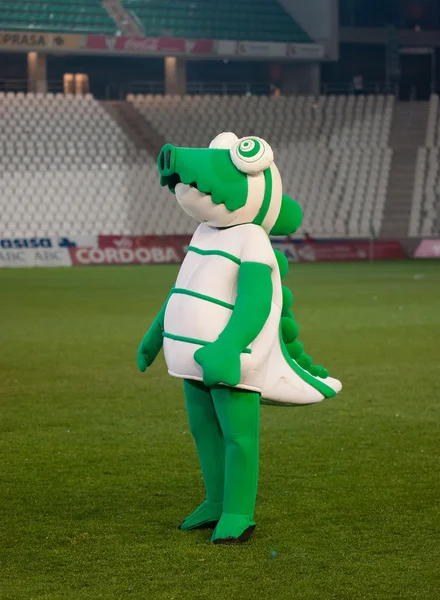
[(201, 306), (205, 293)]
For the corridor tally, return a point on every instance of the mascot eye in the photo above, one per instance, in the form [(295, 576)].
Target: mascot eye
[(249, 148), (251, 155)]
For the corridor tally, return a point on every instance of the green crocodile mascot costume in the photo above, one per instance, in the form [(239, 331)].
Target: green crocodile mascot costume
[(226, 327)]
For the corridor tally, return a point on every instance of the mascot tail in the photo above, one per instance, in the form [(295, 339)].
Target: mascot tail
[(292, 379)]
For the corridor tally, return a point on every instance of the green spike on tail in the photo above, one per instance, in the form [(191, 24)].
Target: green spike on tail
[(288, 222), (290, 328)]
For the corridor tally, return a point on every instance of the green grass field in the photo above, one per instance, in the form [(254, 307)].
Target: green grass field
[(97, 466)]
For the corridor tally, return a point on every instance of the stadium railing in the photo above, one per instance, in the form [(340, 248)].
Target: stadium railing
[(21, 85), (377, 87), (243, 88), (215, 87), (119, 91)]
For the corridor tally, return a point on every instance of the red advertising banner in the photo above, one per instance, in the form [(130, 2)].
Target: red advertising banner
[(169, 45), (132, 250), (149, 45), (428, 249), (150, 249), (344, 250)]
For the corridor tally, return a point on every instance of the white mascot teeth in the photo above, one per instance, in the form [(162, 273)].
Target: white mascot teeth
[(200, 207)]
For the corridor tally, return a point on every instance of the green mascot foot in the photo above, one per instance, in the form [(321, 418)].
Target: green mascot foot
[(233, 529), (206, 516)]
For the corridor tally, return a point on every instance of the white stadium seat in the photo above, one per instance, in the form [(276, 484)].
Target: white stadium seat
[(68, 168), (425, 211), (332, 152)]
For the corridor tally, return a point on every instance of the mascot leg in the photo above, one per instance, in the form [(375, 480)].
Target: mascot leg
[(208, 438), (238, 412)]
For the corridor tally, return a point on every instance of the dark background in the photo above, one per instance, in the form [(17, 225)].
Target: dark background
[(418, 72)]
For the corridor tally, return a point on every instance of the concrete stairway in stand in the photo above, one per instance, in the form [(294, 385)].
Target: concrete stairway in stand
[(137, 128), (408, 133), (125, 21)]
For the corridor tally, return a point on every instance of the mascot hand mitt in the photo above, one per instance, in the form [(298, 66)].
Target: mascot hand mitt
[(227, 328)]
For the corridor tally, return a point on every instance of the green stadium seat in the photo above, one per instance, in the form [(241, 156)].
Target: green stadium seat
[(76, 16), (253, 20)]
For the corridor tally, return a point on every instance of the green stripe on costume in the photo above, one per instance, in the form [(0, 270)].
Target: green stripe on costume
[(203, 297), (267, 198), (189, 340), (325, 390), (214, 253)]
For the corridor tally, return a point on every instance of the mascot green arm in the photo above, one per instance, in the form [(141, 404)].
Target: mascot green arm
[(152, 341), (220, 360)]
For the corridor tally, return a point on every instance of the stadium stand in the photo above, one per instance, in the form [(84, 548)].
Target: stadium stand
[(68, 167), (252, 20), (333, 152), (73, 16), (425, 217), (425, 211)]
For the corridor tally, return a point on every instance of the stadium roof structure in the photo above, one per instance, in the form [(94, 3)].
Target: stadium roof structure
[(192, 28)]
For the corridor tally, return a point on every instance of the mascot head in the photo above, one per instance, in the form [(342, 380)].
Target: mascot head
[(234, 181)]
